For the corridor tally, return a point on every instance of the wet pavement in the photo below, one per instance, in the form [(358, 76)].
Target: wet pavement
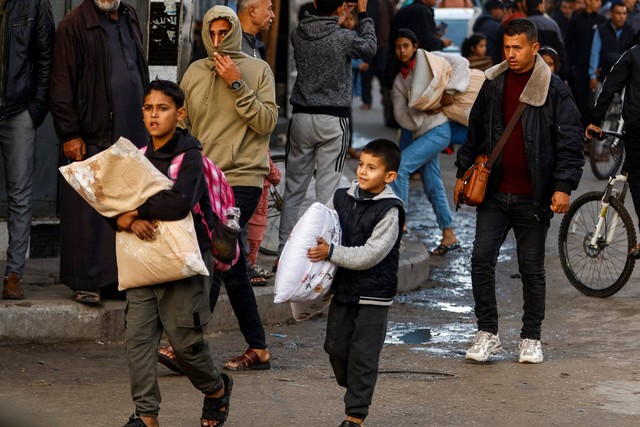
[(590, 376)]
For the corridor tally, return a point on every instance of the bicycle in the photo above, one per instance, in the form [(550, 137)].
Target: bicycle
[(596, 235), (605, 157), (269, 245)]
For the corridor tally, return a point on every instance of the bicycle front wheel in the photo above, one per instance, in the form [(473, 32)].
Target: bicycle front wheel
[(603, 269)]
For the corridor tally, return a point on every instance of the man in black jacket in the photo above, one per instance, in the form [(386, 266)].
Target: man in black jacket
[(489, 24), (532, 178), (26, 44), (98, 78), (579, 36), (624, 74)]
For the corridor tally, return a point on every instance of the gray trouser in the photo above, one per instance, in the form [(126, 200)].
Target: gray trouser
[(316, 142), (181, 308), (17, 143)]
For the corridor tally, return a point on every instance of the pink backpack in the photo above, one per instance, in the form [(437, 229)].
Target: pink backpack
[(224, 240)]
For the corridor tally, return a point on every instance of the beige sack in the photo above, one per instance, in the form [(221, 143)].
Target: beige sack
[(117, 180), (463, 101), (173, 255), (430, 77)]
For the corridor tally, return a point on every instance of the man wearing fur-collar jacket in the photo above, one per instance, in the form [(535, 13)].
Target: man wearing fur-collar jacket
[(532, 178)]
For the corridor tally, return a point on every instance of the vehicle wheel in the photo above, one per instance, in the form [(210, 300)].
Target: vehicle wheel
[(605, 156), (603, 270)]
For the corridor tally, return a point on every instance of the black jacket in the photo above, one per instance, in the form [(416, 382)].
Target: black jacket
[(189, 187), (81, 75), (28, 46), (624, 74), (579, 36), (613, 46), (552, 132)]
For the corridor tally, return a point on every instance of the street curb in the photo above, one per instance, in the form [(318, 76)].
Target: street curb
[(49, 315)]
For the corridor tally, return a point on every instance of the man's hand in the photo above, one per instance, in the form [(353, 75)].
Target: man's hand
[(447, 42), (593, 85), (560, 202), (592, 130), (144, 229), (320, 252), (74, 149), (226, 68), (363, 67), (457, 189)]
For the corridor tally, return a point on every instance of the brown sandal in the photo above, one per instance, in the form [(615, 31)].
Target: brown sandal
[(249, 361)]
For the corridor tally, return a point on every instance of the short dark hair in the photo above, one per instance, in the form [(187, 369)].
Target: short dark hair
[(522, 26), (327, 7), (407, 34), (617, 3), (387, 151), (169, 88)]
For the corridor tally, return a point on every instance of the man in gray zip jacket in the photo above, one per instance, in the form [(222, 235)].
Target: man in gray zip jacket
[(321, 99)]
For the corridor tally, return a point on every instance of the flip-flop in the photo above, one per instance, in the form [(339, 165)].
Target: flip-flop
[(87, 297), (443, 249), (168, 361)]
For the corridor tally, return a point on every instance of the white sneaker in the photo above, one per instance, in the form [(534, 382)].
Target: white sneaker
[(484, 345), (530, 351)]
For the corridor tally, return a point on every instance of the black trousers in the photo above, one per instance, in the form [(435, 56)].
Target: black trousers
[(355, 335)]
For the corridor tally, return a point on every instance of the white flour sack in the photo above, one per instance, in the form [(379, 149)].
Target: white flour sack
[(299, 279)]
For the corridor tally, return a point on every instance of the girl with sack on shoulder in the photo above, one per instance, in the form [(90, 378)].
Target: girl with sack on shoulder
[(431, 129)]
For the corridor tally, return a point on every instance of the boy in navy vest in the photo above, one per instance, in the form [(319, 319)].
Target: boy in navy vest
[(181, 307), (371, 217)]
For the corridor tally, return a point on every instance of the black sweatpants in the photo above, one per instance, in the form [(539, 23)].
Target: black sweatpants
[(355, 335)]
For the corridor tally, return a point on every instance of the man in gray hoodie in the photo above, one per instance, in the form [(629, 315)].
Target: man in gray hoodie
[(321, 99)]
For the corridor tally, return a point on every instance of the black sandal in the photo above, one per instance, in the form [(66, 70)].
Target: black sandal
[(212, 406), (347, 423), (169, 360)]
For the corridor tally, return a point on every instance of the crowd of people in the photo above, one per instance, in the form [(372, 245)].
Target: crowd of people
[(544, 69)]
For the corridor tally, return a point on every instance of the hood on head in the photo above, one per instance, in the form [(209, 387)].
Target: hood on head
[(232, 41)]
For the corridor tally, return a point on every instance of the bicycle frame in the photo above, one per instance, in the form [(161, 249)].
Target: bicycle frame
[(609, 191)]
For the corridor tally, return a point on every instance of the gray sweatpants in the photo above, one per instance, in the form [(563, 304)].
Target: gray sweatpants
[(181, 308), (315, 142)]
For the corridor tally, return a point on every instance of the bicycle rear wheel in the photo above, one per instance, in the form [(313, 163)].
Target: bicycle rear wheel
[(603, 270), (269, 245), (605, 156)]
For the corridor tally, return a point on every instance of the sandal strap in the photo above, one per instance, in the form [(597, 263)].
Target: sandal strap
[(211, 406)]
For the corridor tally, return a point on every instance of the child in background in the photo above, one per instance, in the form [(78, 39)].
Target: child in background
[(257, 227), (474, 48), (551, 58), (366, 281), (168, 306)]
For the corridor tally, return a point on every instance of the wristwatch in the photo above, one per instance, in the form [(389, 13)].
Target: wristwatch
[(235, 85)]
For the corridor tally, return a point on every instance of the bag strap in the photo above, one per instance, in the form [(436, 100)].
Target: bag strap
[(505, 135)]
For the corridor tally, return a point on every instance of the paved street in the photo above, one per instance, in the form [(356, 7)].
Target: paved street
[(591, 376)]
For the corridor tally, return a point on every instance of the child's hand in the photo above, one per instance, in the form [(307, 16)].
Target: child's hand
[(320, 252), (144, 229), (126, 219)]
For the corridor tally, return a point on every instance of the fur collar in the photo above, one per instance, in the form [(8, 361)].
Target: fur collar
[(537, 88)]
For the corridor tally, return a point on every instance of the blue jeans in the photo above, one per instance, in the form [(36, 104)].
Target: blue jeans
[(422, 154), (17, 143), (236, 280), (498, 214)]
